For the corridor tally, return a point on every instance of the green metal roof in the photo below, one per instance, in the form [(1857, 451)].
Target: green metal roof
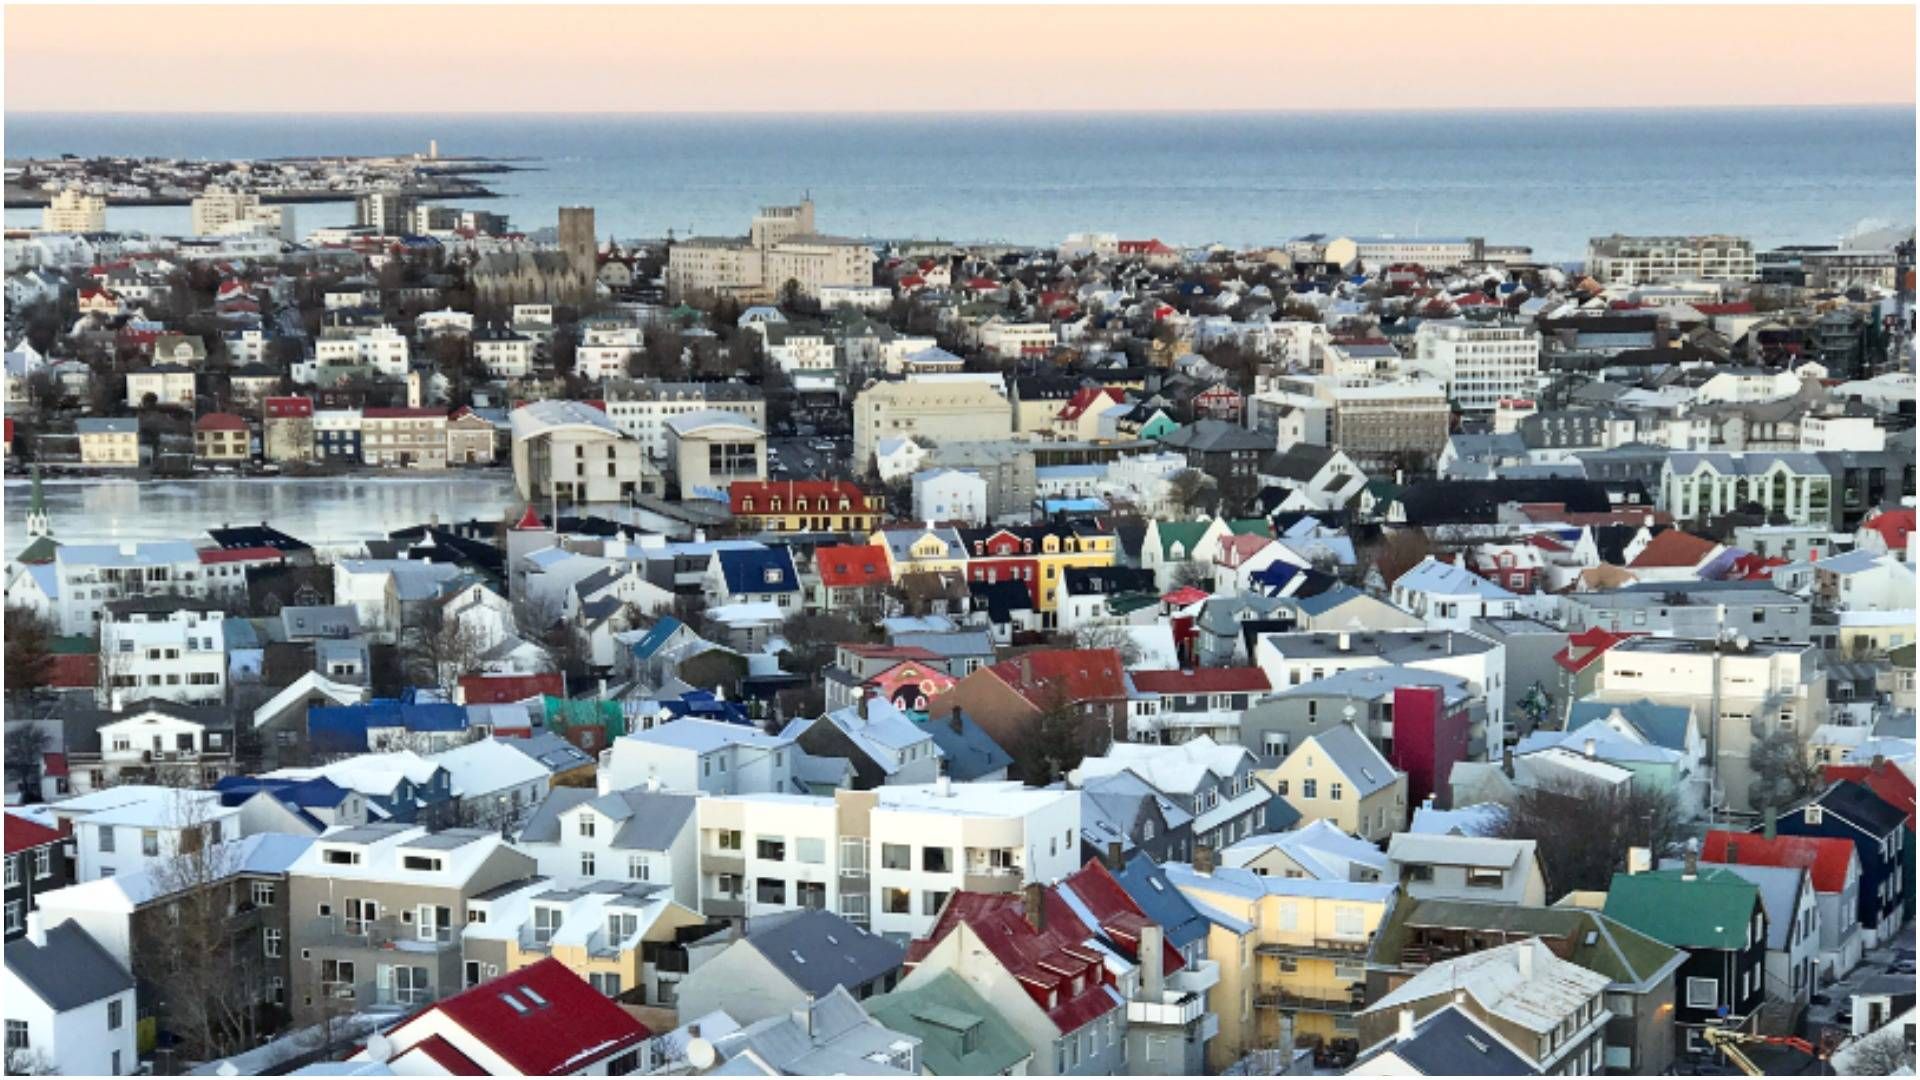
[(562, 714), (1184, 533), (1128, 603), (942, 1012), (1246, 526), (72, 645), (1710, 912)]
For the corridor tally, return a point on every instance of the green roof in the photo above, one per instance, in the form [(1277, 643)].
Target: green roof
[(1602, 945), (562, 714), (1710, 912), (43, 549), (1246, 526), (1185, 533), (1902, 657), (941, 1012), (1128, 603), (72, 645)]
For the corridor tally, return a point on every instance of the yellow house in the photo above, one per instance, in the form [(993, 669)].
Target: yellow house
[(792, 506), (618, 935), (1338, 775), (921, 550), (1292, 953), (109, 442)]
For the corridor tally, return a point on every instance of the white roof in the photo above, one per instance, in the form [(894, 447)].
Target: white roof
[(1322, 849), (261, 853), (1448, 850), (1173, 769), (1248, 885), (479, 768), (1003, 799), (1538, 1000), (145, 806), (701, 736), (381, 847), (541, 417), (369, 774)]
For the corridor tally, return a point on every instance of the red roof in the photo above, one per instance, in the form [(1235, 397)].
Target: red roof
[(1894, 526), (9, 428), (1587, 646), (1827, 857), (73, 671), (24, 833), (1119, 917), (542, 1019), (1186, 594), (1047, 962), (448, 1056), (1084, 399), (1081, 674), (1674, 548), (1738, 307), (1754, 567), (981, 284), (1142, 247), (763, 492), (211, 556), (1885, 780), (220, 421), (1202, 681), (912, 281), (851, 565), (288, 407), (56, 764), (507, 689)]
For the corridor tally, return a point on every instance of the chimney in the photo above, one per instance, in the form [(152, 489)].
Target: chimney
[(1203, 858), (1592, 748), (1026, 671), (1878, 760), (1036, 904), (1692, 871), (1639, 860), (1113, 855), (1523, 958), (1406, 1024), (944, 786), (953, 721), (1153, 959), (36, 929), (1345, 641), (1733, 851), (1506, 761), (1772, 820)]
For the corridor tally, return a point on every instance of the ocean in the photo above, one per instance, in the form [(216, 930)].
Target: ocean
[(1549, 179)]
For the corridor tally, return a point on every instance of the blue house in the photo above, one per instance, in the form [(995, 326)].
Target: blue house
[(1878, 831), (754, 575)]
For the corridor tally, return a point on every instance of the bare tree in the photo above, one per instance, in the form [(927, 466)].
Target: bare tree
[(1052, 744), (1190, 491), (1881, 1053), (1109, 635), (439, 653), (1399, 551), (1192, 572), (1584, 830), (26, 746), (29, 660), (1784, 771)]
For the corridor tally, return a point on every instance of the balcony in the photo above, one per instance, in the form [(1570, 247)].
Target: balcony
[(1313, 999), (1332, 948), (1196, 978), (1174, 1010), (385, 933), (723, 862)]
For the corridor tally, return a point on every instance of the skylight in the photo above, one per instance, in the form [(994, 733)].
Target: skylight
[(533, 996), (517, 1005)]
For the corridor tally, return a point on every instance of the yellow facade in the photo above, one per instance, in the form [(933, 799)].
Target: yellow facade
[(1300, 971), (628, 964), (1313, 785)]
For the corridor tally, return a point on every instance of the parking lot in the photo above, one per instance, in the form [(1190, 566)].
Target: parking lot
[(803, 457), (1876, 968)]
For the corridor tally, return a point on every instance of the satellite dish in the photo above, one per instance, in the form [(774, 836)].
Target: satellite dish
[(700, 1054), (379, 1048)]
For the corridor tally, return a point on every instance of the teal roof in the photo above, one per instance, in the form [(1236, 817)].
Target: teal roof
[(961, 1034), (1710, 912)]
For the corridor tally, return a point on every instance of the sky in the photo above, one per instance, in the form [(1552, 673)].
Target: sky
[(433, 59)]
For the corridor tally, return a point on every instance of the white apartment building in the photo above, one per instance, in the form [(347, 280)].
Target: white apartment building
[(154, 741), (123, 829), (1695, 486), (642, 409), (178, 655), (605, 351), (505, 354), (950, 495), (169, 385), (1480, 365), (781, 246), (946, 410), (810, 350), (885, 859), (1011, 341), (709, 756), (85, 577), (75, 211), (216, 212), (862, 297), (1434, 252), (1833, 434), (1636, 260)]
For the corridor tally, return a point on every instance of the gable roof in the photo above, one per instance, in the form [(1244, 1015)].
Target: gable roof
[(1079, 674), (542, 1019), (1674, 548), (1826, 857), (70, 970), (819, 950), (1047, 960), (1537, 996), (1885, 779), (1449, 1042), (1663, 725), (758, 570), (852, 565), (1710, 912), (1859, 805), (24, 832), (1354, 755), (969, 752), (940, 1011)]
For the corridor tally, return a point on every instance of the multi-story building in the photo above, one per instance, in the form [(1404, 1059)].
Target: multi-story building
[(1479, 365), (222, 438), (1644, 260), (624, 938), (289, 426), (404, 437), (781, 247), (606, 348), (505, 354), (122, 829), (378, 912), (1433, 252), (806, 506), (1378, 424), (885, 859), (960, 410), (1719, 920), (216, 212), (641, 409), (572, 451), (637, 834), (109, 442), (1291, 951), (164, 648), (37, 864), (87, 576), (1797, 486), (388, 213), (709, 451), (75, 211)]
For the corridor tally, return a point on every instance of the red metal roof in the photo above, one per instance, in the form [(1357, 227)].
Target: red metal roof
[(1047, 962), (1827, 857), (562, 1027), (1085, 398), (507, 689), (220, 421), (852, 565), (1893, 526), (1885, 780), (1202, 681), (1081, 674), (529, 520), (23, 833), (73, 671), (1186, 594), (210, 556), (1120, 918), (448, 1056), (1587, 646), (763, 492), (1674, 548), (56, 764), (288, 407)]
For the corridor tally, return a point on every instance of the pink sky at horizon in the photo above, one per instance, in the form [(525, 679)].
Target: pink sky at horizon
[(933, 59)]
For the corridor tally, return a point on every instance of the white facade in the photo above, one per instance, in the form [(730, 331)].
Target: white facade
[(89, 575), (1480, 365), (123, 829), (93, 1039), (180, 656), (950, 495)]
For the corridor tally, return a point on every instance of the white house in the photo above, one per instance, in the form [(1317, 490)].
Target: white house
[(1450, 597), (898, 456), (497, 785), (179, 655), (636, 834), (691, 754), (125, 828), (69, 1005), (944, 495)]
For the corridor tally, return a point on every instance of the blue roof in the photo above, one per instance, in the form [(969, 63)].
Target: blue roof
[(970, 753), (1143, 881), (1663, 725), (758, 570), (1322, 602), (655, 637), (318, 791), (342, 729)]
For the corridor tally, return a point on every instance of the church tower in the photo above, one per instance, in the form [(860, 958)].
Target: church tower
[(39, 522)]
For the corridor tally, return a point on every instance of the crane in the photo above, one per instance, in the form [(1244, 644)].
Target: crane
[(1728, 1042)]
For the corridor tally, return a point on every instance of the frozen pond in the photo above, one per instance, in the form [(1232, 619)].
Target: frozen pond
[(321, 511)]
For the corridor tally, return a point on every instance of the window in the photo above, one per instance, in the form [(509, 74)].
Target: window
[(106, 838), (896, 856), (586, 825), (16, 1035), (1703, 994), (263, 894), (1481, 877), (896, 901), (811, 894), (936, 860), (16, 919), (931, 901), (586, 864), (771, 848), (1309, 789), (1333, 791), (271, 944), (810, 849), (13, 870), (770, 890), (729, 840), (336, 978), (607, 982), (638, 868)]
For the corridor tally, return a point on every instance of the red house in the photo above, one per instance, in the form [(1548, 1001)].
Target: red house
[(1430, 734)]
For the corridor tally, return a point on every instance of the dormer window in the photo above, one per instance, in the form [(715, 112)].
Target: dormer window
[(771, 576)]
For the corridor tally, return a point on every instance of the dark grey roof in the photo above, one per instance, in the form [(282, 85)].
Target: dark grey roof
[(819, 950), (1451, 1043), (1302, 461), (70, 970), (551, 751)]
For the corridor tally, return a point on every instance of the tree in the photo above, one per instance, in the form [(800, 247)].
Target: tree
[(29, 659), (1109, 635), (25, 749), (1190, 491), (1784, 771), (1398, 551), (814, 637), (1880, 1053), (1584, 830), (439, 653), (1194, 573), (1052, 744)]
